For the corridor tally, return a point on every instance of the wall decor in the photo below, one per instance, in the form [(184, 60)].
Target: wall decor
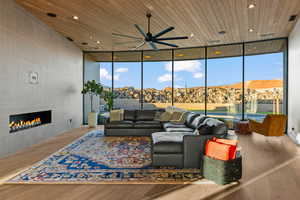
[(33, 78)]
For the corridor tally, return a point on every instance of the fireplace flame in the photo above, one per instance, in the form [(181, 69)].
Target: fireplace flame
[(24, 124)]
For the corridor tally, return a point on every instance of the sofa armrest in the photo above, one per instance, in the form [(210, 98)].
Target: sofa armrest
[(194, 149)]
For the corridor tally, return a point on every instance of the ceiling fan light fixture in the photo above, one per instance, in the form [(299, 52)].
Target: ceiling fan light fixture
[(75, 17)]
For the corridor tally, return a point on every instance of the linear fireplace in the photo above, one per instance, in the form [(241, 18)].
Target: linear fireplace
[(28, 120)]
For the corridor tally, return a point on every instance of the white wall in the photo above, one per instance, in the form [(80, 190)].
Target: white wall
[(27, 44), (294, 78)]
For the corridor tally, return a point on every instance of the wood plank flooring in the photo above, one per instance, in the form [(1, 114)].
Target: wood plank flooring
[(271, 170)]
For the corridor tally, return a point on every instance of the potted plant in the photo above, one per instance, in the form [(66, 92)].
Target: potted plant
[(92, 88), (109, 99)]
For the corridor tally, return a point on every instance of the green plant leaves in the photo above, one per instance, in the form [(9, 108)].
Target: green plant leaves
[(92, 87)]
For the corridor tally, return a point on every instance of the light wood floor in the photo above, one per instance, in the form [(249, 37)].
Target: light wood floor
[(271, 170)]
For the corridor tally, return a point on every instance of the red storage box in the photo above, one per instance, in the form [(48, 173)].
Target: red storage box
[(221, 149)]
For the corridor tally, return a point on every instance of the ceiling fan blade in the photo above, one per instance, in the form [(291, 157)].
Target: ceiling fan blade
[(127, 36), (139, 46), (127, 42), (140, 30), (163, 32), (164, 43), (152, 45), (173, 38)]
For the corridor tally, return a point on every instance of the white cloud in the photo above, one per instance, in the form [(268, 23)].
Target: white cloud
[(189, 66), (198, 75), (116, 77), (122, 69), (104, 74), (165, 78)]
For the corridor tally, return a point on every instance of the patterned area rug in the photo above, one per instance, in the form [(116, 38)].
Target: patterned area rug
[(94, 158)]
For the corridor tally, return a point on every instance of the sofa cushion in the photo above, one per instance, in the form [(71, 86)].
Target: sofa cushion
[(168, 142), (167, 147), (173, 125), (129, 115), (119, 124), (147, 122), (179, 130), (145, 115), (148, 125), (197, 121)]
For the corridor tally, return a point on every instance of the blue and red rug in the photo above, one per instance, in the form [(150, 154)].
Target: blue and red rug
[(94, 158)]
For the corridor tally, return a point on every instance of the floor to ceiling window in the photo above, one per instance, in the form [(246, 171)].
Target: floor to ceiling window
[(157, 79), (264, 73), (205, 80), (127, 80), (189, 79), (224, 81)]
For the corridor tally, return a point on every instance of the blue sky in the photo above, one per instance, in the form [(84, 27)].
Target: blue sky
[(221, 71)]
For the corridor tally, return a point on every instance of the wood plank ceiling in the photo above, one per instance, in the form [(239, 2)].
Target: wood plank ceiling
[(201, 20)]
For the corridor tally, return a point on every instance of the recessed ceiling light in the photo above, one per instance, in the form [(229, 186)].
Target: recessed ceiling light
[(51, 14), (75, 17), (252, 5), (222, 32), (147, 56), (250, 30), (98, 42)]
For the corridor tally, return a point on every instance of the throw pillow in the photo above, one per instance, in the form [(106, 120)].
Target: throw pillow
[(165, 116), (205, 130), (178, 117), (116, 115), (157, 115)]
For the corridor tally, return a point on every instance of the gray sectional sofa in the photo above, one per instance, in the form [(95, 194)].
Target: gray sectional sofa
[(173, 144)]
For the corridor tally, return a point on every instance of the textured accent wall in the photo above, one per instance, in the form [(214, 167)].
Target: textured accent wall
[(26, 45), (294, 81)]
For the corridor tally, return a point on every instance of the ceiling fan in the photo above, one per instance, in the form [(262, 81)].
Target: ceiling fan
[(149, 38)]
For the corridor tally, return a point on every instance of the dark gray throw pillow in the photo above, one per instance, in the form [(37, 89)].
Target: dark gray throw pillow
[(205, 130)]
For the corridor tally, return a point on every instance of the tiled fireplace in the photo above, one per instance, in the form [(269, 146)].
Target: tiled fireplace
[(28, 120)]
